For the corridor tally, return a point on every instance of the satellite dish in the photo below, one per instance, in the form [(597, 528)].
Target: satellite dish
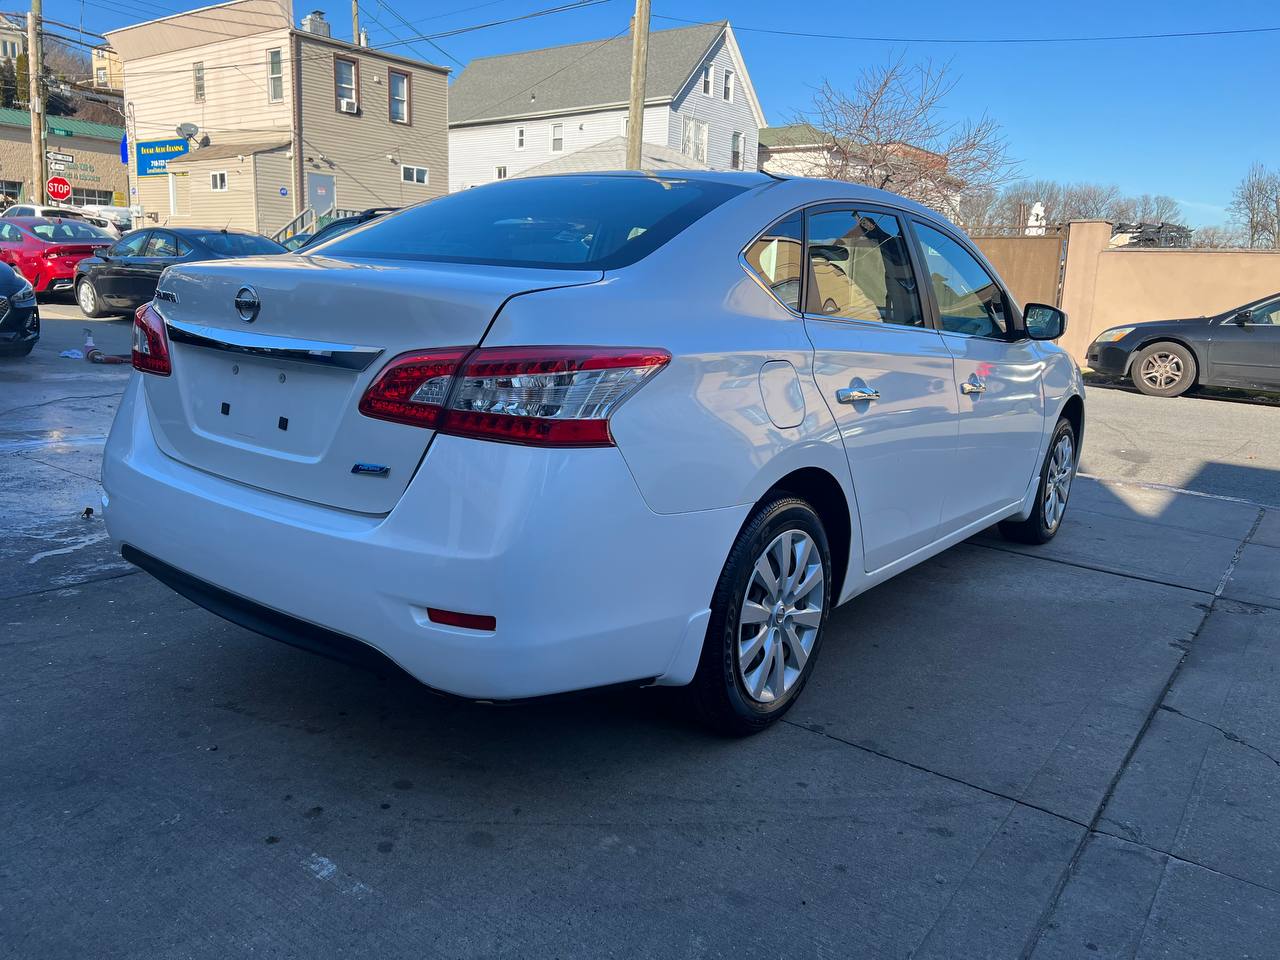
[(187, 130)]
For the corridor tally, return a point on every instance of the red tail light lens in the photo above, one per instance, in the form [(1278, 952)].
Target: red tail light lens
[(547, 396), (150, 342), (540, 396), (413, 387)]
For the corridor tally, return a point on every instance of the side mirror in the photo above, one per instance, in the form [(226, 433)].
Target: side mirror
[(1243, 317), (1044, 322)]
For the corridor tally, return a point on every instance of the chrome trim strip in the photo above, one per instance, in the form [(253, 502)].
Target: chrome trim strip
[(343, 355)]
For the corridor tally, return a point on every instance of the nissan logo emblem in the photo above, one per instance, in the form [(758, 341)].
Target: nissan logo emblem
[(247, 304)]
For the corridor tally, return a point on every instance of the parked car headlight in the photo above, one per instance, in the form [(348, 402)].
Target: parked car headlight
[(1112, 335), (24, 292)]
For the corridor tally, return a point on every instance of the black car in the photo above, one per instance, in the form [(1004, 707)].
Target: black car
[(300, 242), (19, 315), (125, 276), (1239, 347)]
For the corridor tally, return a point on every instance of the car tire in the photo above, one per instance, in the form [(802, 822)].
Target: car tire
[(87, 293), (19, 351), (1056, 476), (1163, 370), (772, 616)]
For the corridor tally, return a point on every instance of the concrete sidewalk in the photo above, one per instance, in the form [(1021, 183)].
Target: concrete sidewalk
[(1067, 751)]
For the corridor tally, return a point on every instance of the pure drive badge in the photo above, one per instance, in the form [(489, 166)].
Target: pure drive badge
[(370, 469)]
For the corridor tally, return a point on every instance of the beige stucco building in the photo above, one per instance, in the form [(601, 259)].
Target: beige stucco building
[(94, 171), (108, 70), (285, 119)]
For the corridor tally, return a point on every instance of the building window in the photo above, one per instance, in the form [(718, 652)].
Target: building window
[(275, 76), (694, 142), (10, 190), (625, 122), (414, 174), (735, 152), (499, 173), (218, 181), (519, 138), (727, 91), (197, 78), (706, 80), (346, 84), (80, 197), (399, 91), (557, 137), (100, 76)]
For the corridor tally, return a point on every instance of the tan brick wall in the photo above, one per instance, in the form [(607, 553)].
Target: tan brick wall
[(97, 165)]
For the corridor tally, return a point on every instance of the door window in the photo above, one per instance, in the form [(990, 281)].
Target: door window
[(860, 269), (9, 233), (167, 245), (1268, 314), (775, 259), (969, 300), (130, 246)]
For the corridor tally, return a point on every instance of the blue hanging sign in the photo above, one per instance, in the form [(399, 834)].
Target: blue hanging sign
[(154, 155)]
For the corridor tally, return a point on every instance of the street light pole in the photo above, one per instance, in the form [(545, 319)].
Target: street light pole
[(35, 68), (639, 66)]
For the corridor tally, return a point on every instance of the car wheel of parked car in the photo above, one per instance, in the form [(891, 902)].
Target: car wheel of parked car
[(1056, 474), (1163, 370), (767, 618), (87, 297)]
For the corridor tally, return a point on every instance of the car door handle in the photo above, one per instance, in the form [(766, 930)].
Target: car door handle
[(973, 385), (856, 394)]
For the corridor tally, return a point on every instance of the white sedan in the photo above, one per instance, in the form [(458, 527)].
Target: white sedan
[(569, 432)]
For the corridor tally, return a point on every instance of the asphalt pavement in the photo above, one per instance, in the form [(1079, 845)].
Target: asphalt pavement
[(1066, 751)]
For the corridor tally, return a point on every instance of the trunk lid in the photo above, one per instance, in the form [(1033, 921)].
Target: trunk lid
[(268, 396)]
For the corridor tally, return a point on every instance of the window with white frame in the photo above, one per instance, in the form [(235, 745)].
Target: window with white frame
[(100, 76), (218, 181), (626, 120), (346, 74), (80, 197), (197, 79), (275, 76), (499, 173), (706, 80), (694, 141), (411, 174), (727, 90), (398, 90), (557, 137), (735, 152), (519, 138)]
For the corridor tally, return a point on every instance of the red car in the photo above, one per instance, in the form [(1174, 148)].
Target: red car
[(46, 250)]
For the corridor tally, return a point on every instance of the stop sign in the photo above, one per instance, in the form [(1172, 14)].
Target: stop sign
[(58, 188)]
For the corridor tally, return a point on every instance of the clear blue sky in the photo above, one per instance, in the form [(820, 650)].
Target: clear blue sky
[(1182, 116)]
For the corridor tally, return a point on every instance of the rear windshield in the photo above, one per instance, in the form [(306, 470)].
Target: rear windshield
[(68, 230), (239, 244), (578, 222)]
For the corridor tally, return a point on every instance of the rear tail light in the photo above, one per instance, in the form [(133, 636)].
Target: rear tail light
[(541, 396), (150, 342)]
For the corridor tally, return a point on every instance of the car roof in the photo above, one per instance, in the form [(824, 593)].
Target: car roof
[(198, 232), (36, 221)]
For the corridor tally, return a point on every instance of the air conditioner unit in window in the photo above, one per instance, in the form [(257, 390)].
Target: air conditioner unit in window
[(348, 106)]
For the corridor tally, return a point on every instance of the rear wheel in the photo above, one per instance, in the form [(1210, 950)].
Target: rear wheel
[(87, 297), (1163, 370), (767, 618), (1056, 474)]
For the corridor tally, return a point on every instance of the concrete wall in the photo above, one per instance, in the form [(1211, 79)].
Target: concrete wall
[(355, 147), (1106, 287)]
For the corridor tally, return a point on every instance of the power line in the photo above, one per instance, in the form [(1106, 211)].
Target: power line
[(395, 13), (579, 5), (974, 40)]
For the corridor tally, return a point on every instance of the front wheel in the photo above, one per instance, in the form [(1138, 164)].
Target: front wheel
[(87, 297), (1164, 370), (767, 619), (1056, 474)]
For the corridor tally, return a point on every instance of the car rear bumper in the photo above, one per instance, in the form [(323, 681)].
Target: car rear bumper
[(588, 586)]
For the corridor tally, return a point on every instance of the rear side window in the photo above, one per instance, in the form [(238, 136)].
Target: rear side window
[(130, 245), (239, 244), (860, 268), (578, 222), (59, 231), (776, 258)]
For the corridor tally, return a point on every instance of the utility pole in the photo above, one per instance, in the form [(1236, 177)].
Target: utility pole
[(639, 66), (35, 68), (355, 22)]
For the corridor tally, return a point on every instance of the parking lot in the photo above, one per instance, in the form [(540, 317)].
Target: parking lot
[(1009, 751)]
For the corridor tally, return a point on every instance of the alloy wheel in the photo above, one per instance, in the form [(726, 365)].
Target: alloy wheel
[(1057, 483), (1162, 369), (780, 616), (85, 294)]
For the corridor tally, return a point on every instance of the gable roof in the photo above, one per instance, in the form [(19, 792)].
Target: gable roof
[(225, 151), (62, 126), (611, 154), (577, 76), (792, 135)]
